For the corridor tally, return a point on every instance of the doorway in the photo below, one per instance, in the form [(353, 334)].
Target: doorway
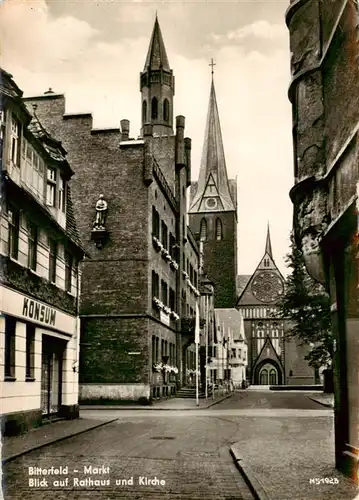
[(268, 375), (51, 374)]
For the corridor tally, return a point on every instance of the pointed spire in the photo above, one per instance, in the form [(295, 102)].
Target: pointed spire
[(268, 243), (156, 55), (213, 179)]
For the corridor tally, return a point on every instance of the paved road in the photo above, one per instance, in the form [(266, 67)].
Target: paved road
[(191, 455), (269, 399)]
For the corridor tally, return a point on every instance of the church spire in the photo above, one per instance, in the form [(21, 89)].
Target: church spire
[(268, 243), (156, 55), (213, 192), (157, 87)]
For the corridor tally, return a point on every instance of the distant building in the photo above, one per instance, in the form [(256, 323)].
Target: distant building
[(230, 352), (324, 93), (39, 252), (213, 212), (141, 285), (273, 358)]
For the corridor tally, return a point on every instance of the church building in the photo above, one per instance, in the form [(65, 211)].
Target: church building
[(213, 212), (274, 359)]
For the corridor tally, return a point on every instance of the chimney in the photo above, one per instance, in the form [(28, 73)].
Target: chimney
[(188, 147), (179, 155), (125, 130)]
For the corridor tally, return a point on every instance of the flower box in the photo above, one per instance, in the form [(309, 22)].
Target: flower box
[(157, 244)]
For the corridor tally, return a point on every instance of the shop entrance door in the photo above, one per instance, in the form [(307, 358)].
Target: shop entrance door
[(51, 374)]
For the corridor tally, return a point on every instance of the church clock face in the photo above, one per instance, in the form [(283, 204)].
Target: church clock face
[(267, 287), (211, 203)]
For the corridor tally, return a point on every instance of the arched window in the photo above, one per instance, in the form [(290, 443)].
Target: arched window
[(219, 230), (144, 111), (203, 230), (166, 110), (154, 108)]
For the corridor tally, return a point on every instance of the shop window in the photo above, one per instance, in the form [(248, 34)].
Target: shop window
[(30, 352), (14, 225), (32, 245), (52, 260), (10, 331), (68, 271)]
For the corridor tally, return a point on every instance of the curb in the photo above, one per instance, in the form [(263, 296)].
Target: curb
[(253, 483), (55, 440), (150, 408), (321, 403)]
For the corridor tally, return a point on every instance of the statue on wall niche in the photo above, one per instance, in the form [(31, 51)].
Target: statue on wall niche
[(101, 212)]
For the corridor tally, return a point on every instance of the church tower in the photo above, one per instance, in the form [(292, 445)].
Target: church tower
[(157, 87), (213, 211)]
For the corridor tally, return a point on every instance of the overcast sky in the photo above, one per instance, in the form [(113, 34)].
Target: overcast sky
[(93, 51)]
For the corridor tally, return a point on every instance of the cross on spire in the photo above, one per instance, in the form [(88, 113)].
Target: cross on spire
[(212, 64)]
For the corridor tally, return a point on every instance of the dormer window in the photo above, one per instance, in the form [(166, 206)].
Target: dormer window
[(51, 187)]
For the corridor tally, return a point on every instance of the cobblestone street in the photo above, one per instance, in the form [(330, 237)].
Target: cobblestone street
[(190, 454)]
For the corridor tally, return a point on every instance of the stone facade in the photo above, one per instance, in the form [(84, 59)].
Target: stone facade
[(273, 357), (324, 93)]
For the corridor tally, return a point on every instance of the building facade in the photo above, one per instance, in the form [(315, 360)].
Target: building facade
[(40, 253), (324, 92), (142, 279), (273, 358), (213, 212)]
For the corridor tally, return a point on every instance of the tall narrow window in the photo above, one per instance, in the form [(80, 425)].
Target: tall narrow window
[(172, 301), (52, 260), (154, 108), (219, 230), (164, 294), (162, 348), (144, 111), (62, 194), (203, 230), (10, 329), (154, 358), (157, 348), (155, 285), (68, 271), (51, 187), (32, 245), (15, 141), (164, 235), (30, 351), (155, 223), (166, 110), (14, 224)]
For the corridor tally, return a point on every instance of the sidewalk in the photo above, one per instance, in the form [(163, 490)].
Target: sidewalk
[(323, 399), (12, 447), (291, 458), (167, 404)]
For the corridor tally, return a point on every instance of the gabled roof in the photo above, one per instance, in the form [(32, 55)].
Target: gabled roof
[(241, 282), (232, 321), (267, 265), (213, 192), (156, 56)]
